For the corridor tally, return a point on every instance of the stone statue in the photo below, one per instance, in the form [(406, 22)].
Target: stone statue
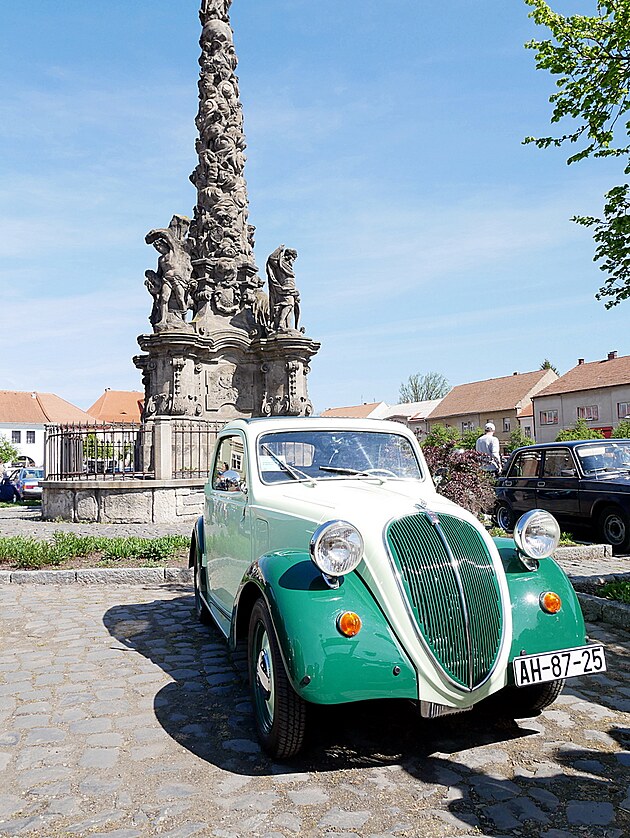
[(171, 285), (284, 299)]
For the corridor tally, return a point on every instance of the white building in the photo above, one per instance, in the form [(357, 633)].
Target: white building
[(23, 417)]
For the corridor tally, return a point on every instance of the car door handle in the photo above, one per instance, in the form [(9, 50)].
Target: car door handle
[(507, 482), (540, 484)]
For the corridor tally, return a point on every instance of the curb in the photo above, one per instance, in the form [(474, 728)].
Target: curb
[(599, 610), (99, 576), (583, 551)]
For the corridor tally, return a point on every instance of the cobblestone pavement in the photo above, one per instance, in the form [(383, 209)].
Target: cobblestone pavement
[(121, 716), (27, 521)]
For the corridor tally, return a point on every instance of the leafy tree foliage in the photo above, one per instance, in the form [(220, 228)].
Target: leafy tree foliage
[(442, 435), (469, 438), (8, 452), (581, 430), (591, 57), (517, 440), (423, 388), (463, 480), (622, 431)]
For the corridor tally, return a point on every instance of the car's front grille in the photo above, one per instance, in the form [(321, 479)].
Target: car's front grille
[(451, 586)]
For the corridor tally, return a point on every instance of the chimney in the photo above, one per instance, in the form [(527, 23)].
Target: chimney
[(33, 395), (580, 361), (514, 373), (612, 356)]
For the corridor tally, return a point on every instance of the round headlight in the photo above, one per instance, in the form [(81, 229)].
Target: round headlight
[(537, 534), (336, 548)]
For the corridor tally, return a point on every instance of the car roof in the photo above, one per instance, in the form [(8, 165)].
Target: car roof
[(570, 443), (286, 423)]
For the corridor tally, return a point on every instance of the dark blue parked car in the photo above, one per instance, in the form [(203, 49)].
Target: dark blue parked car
[(584, 483)]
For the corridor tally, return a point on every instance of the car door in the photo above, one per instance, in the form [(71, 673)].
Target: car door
[(519, 485), (557, 489), (227, 524)]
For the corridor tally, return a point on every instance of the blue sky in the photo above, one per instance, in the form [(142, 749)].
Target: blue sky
[(384, 144)]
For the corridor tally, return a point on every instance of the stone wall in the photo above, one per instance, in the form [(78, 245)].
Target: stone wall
[(123, 501)]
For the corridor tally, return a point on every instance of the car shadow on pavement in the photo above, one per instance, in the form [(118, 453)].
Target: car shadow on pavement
[(207, 708)]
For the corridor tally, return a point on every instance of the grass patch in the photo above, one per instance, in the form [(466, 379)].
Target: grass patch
[(13, 504), (619, 591), (30, 553)]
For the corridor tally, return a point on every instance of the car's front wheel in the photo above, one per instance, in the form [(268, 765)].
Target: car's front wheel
[(614, 528), (279, 712), (505, 517), (523, 702)]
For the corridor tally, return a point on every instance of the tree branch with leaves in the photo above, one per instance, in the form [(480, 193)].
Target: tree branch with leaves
[(590, 55)]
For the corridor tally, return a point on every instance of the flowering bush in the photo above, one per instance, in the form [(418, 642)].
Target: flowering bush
[(463, 480)]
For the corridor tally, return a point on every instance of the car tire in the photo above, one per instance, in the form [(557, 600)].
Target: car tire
[(279, 712), (614, 528), (201, 609), (523, 702), (504, 516)]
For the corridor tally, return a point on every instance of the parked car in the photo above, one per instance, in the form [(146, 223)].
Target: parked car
[(580, 483), (26, 481), (328, 553)]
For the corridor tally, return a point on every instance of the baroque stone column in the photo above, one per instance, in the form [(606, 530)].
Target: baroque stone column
[(221, 346)]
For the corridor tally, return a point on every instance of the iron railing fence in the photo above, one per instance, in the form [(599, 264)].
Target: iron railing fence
[(180, 449)]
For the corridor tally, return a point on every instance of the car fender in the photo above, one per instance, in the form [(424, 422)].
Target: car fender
[(533, 630), (323, 666)]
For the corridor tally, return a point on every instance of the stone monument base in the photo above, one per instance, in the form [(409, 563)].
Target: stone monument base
[(123, 502)]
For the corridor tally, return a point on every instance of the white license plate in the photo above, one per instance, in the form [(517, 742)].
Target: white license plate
[(536, 669)]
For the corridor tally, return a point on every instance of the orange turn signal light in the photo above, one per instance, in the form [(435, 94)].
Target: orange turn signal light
[(349, 623), (550, 602)]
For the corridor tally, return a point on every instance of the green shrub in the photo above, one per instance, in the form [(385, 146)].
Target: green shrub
[(581, 430), (616, 590)]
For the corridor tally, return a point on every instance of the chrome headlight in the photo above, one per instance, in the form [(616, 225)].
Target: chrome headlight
[(537, 535), (336, 548)]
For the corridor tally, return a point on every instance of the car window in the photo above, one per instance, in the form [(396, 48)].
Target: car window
[(604, 456), (229, 470), (329, 455), (558, 463), (526, 464), (37, 473)]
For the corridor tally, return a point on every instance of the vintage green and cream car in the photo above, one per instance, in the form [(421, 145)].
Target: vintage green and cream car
[(325, 547)]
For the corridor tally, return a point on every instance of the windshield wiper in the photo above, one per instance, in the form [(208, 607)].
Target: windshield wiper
[(340, 470), (295, 473)]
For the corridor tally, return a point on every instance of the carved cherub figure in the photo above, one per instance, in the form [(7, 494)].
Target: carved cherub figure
[(170, 285)]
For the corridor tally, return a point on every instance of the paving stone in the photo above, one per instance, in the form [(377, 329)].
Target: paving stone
[(340, 819), (589, 813)]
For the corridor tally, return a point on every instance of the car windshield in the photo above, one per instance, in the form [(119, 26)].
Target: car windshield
[(32, 473), (328, 455), (605, 456)]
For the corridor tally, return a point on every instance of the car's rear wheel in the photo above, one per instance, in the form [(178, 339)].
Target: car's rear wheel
[(201, 591), (279, 712), (505, 517), (614, 528)]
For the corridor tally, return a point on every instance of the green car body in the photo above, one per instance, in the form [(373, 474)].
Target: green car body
[(441, 637)]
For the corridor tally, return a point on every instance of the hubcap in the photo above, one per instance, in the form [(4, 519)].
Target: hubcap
[(264, 695), (615, 529)]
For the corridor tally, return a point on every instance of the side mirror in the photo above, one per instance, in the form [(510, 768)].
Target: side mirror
[(438, 477), (243, 487)]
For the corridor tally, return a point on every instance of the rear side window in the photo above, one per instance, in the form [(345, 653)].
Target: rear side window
[(526, 464), (559, 463)]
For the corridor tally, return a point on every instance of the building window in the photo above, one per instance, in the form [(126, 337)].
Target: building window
[(589, 412), (548, 417), (16, 437), (467, 426), (506, 425), (623, 410), (30, 437), (528, 431)]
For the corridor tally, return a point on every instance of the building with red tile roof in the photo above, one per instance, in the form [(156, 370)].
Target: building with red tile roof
[(373, 410), (598, 392), (23, 417), (118, 406), (498, 400)]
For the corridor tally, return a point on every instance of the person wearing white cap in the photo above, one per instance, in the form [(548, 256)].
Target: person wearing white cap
[(488, 447)]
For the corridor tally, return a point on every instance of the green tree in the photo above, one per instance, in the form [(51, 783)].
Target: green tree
[(469, 438), (442, 435), (423, 388), (580, 430), (622, 431), (547, 365), (590, 55), (8, 452), (517, 440)]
